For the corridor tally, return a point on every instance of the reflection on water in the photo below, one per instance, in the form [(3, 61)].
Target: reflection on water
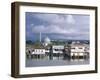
[(55, 62)]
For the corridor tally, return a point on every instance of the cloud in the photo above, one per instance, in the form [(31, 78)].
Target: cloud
[(70, 19), (57, 23), (55, 18), (71, 26), (61, 33), (70, 36), (32, 25), (56, 29)]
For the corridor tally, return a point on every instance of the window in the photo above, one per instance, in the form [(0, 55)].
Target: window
[(80, 48), (41, 50), (72, 48), (56, 49)]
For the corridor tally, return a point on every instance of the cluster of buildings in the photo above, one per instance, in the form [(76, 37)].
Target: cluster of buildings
[(48, 50)]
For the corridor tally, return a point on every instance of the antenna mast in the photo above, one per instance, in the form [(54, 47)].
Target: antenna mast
[(40, 37)]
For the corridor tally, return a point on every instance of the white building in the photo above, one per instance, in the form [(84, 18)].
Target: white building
[(58, 48), (38, 54), (79, 50), (38, 51)]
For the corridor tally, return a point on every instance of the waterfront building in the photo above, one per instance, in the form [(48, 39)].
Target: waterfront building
[(79, 50), (38, 52), (52, 51), (57, 49)]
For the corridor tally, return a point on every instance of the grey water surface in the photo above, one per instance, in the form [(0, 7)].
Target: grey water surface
[(39, 63)]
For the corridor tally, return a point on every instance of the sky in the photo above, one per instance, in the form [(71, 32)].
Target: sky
[(57, 26)]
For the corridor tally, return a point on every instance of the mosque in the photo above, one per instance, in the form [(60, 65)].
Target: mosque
[(47, 41)]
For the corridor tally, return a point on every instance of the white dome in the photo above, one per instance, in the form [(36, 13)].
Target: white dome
[(47, 40)]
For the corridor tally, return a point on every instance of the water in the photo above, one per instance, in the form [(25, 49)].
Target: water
[(39, 63)]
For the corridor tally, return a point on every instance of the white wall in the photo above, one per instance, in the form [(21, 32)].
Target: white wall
[(5, 41)]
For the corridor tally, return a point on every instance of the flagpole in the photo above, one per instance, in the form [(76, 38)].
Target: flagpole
[(40, 37)]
